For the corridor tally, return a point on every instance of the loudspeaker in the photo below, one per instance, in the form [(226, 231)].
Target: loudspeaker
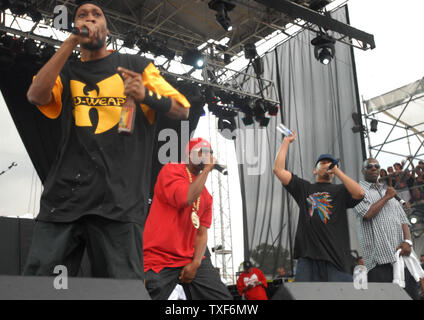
[(339, 291), (43, 288)]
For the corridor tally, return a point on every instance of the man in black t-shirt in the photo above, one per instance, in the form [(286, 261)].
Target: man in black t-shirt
[(322, 238), (96, 193)]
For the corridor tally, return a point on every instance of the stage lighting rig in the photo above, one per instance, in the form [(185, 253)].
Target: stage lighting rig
[(194, 58), (222, 8), (324, 49)]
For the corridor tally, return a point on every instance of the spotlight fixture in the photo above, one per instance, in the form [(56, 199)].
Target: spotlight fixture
[(194, 58), (357, 121), (247, 120), (18, 7), (30, 47), (318, 5), (222, 8), (324, 48), (4, 5), (155, 46), (258, 66), (374, 124), (250, 51), (259, 112), (47, 52), (130, 39), (226, 126), (271, 108)]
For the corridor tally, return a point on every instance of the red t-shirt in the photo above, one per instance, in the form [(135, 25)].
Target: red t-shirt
[(169, 234), (256, 293)]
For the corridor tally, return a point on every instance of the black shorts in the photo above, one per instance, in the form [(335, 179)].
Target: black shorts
[(114, 248), (206, 285)]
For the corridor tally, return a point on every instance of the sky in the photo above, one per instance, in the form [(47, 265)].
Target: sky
[(397, 60)]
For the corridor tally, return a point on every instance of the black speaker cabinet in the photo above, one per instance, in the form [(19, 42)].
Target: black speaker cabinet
[(339, 291), (43, 288)]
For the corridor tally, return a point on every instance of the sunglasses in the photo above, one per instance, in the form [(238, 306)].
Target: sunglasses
[(371, 165)]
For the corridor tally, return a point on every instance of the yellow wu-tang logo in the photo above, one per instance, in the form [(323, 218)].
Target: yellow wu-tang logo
[(106, 96)]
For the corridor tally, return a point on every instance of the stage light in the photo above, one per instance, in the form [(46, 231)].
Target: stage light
[(194, 58), (226, 126), (18, 7), (222, 8), (318, 5), (247, 120), (47, 52), (414, 220), (271, 108), (30, 47), (7, 55), (155, 46), (324, 49), (357, 121), (258, 66), (259, 112), (34, 14), (130, 39), (373, 126), (4, 5), (250, 51)]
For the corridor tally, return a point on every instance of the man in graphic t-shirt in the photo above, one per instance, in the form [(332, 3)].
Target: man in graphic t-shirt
[(322, 238), (96, 193)]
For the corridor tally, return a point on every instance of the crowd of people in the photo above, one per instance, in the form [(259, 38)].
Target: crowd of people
[(407, 179)]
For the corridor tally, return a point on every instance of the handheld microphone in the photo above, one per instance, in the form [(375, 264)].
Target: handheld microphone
[(401, 201), (221, 168), (333, 165), (83, 32)]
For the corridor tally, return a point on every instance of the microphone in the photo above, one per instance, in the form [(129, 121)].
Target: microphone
[(401, 201), (83, 32), (333, 165), (221, 168)]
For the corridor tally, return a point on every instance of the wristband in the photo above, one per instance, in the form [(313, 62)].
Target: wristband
[(408, 242), (157, 102)]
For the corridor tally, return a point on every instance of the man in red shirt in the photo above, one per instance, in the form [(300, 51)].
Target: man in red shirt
[(175, 235), (252, 283)]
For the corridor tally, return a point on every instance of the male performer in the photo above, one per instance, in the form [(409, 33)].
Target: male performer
[(176, 235), (322, 239), (96, 193), (252, 283), (383, 228)]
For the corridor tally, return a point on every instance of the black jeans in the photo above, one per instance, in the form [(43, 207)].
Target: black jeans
[(206, 285), (384, 273), (115, 249)]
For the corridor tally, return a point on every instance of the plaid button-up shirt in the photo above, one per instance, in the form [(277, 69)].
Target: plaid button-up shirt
[(380, 236)]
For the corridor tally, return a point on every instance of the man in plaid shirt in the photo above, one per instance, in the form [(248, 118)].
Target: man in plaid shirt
[(383, 228)]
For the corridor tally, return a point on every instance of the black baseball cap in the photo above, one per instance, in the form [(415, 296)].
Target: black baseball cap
[(326, 156), (247, 265), (83, 2)]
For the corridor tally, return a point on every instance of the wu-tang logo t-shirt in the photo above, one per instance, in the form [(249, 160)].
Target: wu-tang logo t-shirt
[(106, 97)]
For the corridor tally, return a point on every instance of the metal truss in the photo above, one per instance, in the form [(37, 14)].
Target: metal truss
[(411, 132), (223, 244)]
